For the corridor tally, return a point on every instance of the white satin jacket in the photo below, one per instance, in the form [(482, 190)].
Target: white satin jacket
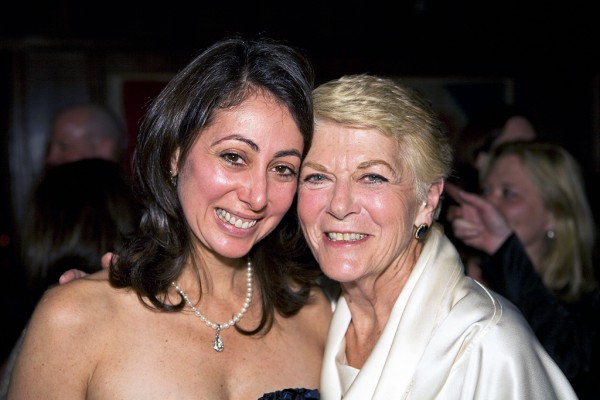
[(447, 338)]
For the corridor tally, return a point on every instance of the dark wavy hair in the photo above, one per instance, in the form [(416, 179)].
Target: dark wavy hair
[(222, 76), (77, 212)]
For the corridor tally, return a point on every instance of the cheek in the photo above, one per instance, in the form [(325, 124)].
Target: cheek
[(376, 205), (214, 185), (190, 179), (515, 214), (388, 210), (308, 204), (282, 197), (308, 212)]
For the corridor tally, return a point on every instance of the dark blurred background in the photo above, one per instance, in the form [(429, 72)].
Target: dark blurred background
[(539, 55)]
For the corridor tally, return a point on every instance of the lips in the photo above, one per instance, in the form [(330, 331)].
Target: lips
[(346, 237), (237, 222)]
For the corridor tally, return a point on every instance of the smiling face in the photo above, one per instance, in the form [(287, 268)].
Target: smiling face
[(357, 204), (509, 187), (240, 176)]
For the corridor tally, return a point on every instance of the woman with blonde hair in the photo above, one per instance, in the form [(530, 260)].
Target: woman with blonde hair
[(408, 322), (535, 227)]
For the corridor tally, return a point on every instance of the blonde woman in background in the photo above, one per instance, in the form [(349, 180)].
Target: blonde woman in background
[(535, 225)]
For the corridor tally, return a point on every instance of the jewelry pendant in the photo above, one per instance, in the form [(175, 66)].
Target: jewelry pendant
[(218, 343)]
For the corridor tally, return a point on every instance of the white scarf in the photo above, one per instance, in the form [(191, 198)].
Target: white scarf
[(448, 338)]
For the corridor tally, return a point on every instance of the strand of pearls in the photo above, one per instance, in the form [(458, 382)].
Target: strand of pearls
[(218, 342)]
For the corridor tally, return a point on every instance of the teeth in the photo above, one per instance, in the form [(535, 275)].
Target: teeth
[(238, 223), (347, 237)]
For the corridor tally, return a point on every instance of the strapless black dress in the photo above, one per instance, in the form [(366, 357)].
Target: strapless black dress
[(292, 394)]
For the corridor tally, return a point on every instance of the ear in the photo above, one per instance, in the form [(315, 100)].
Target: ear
[(175, 163), (427, 210)]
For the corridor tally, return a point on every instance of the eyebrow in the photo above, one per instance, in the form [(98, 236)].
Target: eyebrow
[(370, 163), (363, 165), (286, 153), (254, 146), (315, 166), (249, 142)]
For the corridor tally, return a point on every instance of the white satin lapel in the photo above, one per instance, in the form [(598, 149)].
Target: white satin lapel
[(428, 303), (389, 370), (330, 379)]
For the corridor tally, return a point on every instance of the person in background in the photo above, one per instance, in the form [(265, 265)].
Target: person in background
[(409, 323), (77, 132), (484, 131), (207, 300), (77, 212), (85, 131), (534, 224)]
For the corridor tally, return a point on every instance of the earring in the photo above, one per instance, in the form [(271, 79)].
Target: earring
[(550, 234), (421, 231), (173, 178)]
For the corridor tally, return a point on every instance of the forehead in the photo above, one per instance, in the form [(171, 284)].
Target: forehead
[(506, 162), (509, 168), (257, 105), (340, 147), (259, 118), (339, 138)]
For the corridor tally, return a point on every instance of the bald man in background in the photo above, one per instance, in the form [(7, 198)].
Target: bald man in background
[(85, 131)]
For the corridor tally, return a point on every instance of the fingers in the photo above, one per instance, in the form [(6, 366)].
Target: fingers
[(466, 230), (463, 197), (473, 200), (73, 274), (453, 191), (464, 211), (452, 213), (70, 275), (105, 260)]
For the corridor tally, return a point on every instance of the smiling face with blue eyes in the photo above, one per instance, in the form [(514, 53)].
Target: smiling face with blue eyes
[(509, 188), (240, 175), (357, 205)]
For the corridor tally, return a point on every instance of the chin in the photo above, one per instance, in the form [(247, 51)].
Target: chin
[(232, 251), (340, 272)]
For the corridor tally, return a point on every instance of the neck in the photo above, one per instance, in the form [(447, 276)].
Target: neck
[(534, 252), (218, 277)]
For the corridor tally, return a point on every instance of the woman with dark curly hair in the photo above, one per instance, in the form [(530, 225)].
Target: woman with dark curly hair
[(210, 299)]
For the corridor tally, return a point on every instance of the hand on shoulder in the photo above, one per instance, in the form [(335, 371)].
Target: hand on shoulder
[(73, 274)]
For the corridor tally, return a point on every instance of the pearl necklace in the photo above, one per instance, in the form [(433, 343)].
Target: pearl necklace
[(218, 342)]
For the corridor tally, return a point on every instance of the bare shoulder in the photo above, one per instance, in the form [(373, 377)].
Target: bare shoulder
[(68, 329), (75, 301), (68, 312)]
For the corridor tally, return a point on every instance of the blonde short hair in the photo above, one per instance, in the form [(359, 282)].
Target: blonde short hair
[(372, 102)]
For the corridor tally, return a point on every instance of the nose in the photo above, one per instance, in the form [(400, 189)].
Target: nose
[(342, 202), (254, 191)]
